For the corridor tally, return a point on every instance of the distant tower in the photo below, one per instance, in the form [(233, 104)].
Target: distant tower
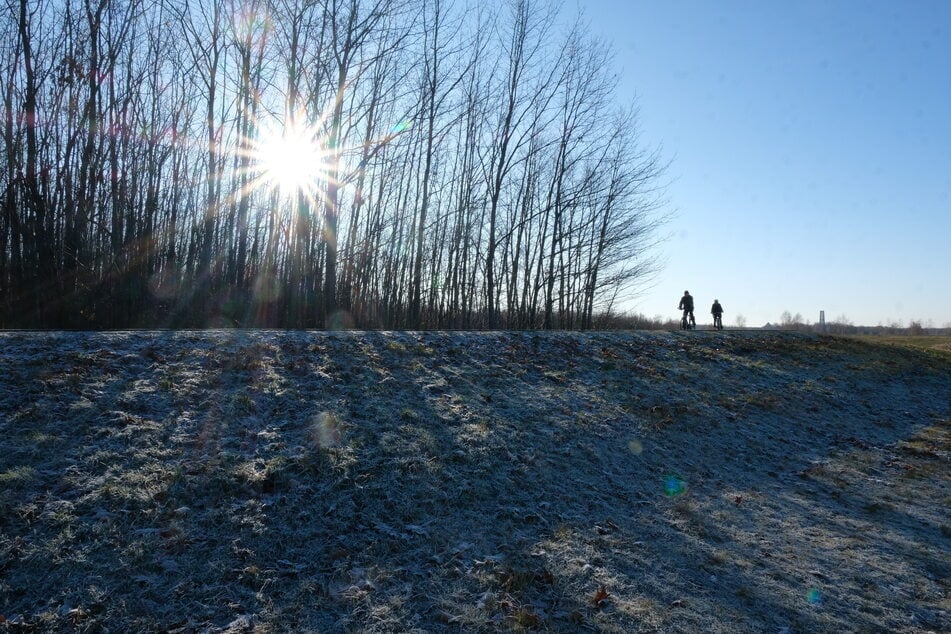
[(822, 321)]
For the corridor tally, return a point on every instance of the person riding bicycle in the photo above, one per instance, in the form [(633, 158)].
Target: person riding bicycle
[(686, 305), (717, 311)]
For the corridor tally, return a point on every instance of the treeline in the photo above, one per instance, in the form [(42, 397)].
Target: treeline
[(841, 325), (475, 169)]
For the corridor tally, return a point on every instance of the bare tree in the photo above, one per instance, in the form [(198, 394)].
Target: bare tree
[(352, 25), (478, 172), (37, 228), (525, 87)]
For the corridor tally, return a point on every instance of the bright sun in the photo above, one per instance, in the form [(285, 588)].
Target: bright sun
[(291, 159)]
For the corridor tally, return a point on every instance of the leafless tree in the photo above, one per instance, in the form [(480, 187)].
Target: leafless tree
[(478, 170)]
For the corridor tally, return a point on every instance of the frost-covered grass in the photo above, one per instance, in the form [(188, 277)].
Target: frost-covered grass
[(381, 482)]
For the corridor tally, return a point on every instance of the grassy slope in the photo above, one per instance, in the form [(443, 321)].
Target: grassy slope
[(445, 482)]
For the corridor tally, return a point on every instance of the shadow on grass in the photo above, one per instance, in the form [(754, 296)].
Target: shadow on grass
[(451, 482)]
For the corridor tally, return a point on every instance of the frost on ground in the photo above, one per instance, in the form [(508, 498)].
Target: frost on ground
[(338, 482)]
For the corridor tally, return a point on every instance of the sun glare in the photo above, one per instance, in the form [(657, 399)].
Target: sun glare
[(291, 159)]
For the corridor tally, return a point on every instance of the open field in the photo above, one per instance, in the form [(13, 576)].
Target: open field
[(937, 343), (259, 481)]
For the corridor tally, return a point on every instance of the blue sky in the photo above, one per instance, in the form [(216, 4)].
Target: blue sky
[(811, 153)]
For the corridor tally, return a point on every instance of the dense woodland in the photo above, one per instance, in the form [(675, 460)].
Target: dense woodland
[(473, 166)]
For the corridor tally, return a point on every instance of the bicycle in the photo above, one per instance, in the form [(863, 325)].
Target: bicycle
[(684, 323), (718, 321)]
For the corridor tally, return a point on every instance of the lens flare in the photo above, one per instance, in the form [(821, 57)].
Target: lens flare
[(674, 486), (401, 127), (326, 430)]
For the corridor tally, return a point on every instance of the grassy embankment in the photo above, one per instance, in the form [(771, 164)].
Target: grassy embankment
[(479, 482)]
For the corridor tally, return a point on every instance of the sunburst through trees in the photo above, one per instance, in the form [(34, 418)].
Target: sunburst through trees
[(300, 163)]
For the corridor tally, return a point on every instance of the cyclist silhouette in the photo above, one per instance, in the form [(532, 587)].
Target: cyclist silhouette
[(686, 305), (717, 311)]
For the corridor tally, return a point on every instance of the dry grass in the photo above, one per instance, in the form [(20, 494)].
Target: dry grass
[(934, 343), (610, 482)]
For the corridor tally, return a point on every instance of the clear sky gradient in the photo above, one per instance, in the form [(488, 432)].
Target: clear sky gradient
[(811, 153)]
